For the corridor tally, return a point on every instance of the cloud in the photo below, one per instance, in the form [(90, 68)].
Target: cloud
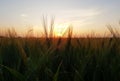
[(90, 13), (79, 14), (24, 18), (24, 15)]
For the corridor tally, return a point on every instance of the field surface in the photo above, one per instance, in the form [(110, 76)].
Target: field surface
[(59, 59)]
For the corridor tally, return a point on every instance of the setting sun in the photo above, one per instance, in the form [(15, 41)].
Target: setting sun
[(60, 29), (59, 40)]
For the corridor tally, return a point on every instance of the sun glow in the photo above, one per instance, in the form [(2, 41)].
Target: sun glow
[(60, 29)]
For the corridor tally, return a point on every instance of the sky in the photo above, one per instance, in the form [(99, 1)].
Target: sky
[(85, 16)]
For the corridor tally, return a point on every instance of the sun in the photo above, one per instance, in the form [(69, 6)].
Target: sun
[(60, 29)]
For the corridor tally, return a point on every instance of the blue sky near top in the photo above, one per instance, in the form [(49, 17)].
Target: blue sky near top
[(84, 15)]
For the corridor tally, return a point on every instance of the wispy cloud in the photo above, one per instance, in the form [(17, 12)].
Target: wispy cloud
[(23, 15), (24, 18), (80, 14)]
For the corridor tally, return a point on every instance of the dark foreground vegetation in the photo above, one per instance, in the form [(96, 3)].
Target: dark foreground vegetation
[(59, 59), (31, 59)]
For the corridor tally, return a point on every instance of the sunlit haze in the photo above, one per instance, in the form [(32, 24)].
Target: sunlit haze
[(85, 16)]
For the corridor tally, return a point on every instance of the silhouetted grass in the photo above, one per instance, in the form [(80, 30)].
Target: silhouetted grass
[(59, 59)]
